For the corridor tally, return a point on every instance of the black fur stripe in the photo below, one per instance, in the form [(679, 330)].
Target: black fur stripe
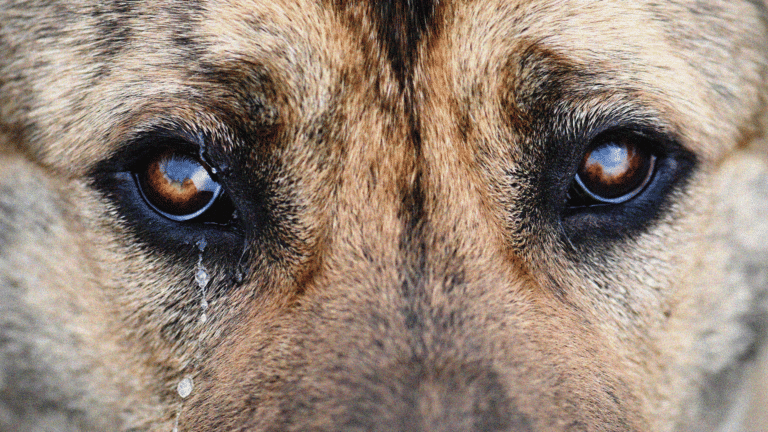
[(401, 26)]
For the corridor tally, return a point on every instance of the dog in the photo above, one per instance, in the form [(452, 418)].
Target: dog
[(416, 215)]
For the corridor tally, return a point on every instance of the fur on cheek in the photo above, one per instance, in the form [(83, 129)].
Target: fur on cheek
[(733, 329)]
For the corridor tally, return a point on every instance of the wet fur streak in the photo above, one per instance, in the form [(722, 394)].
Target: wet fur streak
[(400, 243)]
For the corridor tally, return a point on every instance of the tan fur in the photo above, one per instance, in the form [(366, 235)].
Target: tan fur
[(399, 260)]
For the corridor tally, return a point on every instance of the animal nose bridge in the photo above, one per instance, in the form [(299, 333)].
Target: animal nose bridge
[(411, 353), (423, 395)]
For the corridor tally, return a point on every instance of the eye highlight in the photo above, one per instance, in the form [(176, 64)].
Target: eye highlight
[(177, 186), (615, 169)]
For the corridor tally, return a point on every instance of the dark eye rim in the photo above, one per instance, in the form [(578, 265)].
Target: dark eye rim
[(118, 174), (113, 178), (658, 145), (588, 223)]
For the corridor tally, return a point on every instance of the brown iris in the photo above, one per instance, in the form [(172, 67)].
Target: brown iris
[(178, 186), (616, 169)]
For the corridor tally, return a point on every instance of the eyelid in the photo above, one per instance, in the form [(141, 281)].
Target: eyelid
[(138, 147)]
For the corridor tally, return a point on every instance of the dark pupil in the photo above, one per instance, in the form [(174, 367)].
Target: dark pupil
[(178, 185), (615, 169)]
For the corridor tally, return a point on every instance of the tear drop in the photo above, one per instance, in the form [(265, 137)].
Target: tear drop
[(203, 318), (201, 277), (201, 244), (185, 387)]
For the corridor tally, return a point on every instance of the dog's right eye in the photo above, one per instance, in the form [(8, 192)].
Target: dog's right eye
[(181, 187), (171, 189), (177, 186)]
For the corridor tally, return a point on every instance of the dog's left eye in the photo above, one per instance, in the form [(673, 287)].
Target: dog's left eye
[(177, 186), (615, 169)]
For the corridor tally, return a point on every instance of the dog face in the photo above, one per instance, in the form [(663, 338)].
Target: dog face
[(295, 215)]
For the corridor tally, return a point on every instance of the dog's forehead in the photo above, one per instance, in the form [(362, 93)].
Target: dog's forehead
[(463, 46), (670, 57)]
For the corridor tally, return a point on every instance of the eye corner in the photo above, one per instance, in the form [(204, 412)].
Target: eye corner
[(121, 178)]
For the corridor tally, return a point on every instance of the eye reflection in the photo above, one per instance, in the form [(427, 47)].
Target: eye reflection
[(615, 170), (177, 186)]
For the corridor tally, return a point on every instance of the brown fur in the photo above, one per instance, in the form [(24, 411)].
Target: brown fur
[(401, 258)]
